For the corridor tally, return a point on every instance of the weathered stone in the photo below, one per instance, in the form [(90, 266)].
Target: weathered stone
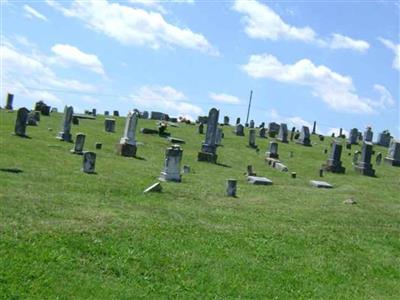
[(262, 132), (9, 101), (127, 144), (98, 145), (273, 129), (201, 128), (75, 120), (250, 171), (283, 133), (31, 121), (393, 156), (94, 112), (209, 147), (320, 184), (252, 124), (155, 115), (280, 167), (314, 127), (384, 138), (252, 138), (334, 163), (239, 131), (116, 113), (65, 133), (231, 187), (364, 166), (353, 136), (156, 187), (172, 164), (378, 159), (20, 122), (186, 169), (109, 125), (368, 134), (304, 138), (43, 108), (89, 162), (272, 150), (226, 120), (259, 180), (79, 144)]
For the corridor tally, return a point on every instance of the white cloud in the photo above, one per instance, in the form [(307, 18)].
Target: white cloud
[(166, 99), (385, 99), (224, 98), (31, 75), (336, 90), (134, 26), (30, 12), (396, 50), (67, 54), (274, 116), (261, 22)]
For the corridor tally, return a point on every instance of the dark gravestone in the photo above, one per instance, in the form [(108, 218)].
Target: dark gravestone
[(20, 122), (65, 133), (201, 128), (252, 138), (32, 120), (144, 115), (283, 133), (148, 131), (262, 132), (89, 162), (353, 136), (209, 147), (393, 156), (273, 129), (109, 125), (384, 138), (378, 159), (368, 134), (79, 144), (75, 120), (202, 119), (43, 108), (321, 137), (272, 151), (360, 136), (116, 113), (334, 164), (304, 138), (364, 166), (106, 113), (292, 133), (262, 125), (9, 101), (98, 145), (313, 128), (239, 130), (237, 121), (231, 188), (252, 124), (226, 120), (94, 112), (340, 132)]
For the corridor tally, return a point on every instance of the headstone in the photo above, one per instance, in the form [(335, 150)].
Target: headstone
[(94, 112), (314, 127), (208, 151), (334, 163), (186, 169), (384, 138), (356, 157), (360, 136), (79, 144), (172, 164), (54, 110), (378, 159), (145, 115), (292, 133), (155, 115), (127, 144), (218, 139), (321, 172), (237, 121), (252, 138), (202, 119), (321, 138), (75, 120), (364, 166), (259, 180), (250, 171), (156, 187), (89, 162), (43, 108), (304, 138), (273, 129), (262, 132), (273, 150), (393, 156), (231, 188), (239, 131), (109, 125), (65, 133), (226, 120), (116, 113), (283, 133), (106, 113), (252, 124), (20, 122), (201, 128), (353, 136), (293, 175), (98, 145), (321, 184), (32, 120), (368, 134), (262, 125), (340, 132), (9, 101)]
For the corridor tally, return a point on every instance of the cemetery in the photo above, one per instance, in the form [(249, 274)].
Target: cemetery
[(193, 211)]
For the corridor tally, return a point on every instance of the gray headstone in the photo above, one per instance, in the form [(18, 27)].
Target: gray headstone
[(252, 138), (32, 120), (368, 134), (283, 133), (65, 133), (272, 150), (79, 143), (201, 128), (186, 169), (252, 124), (231, 188), (334, 163), (172, 164), (259, 180), (304, 138), (280, 167), (314, 127), (239, 131), (89, 162), (262, 132), (20, 122), (129, 136), (378, 159), (9, 101), (393, 156), (209, 147), (106, 113), (364, 166), (94, 112), (109, 125), (384, 138), (273, 129), (226, 120), (353, 136)]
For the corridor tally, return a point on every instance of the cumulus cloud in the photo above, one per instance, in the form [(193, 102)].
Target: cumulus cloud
[(336, 90), (274, 116), (166, 99), (31, 13), (134, 26), (224, 98), (70, 55), (261, 22), (31, 75), (396, 50)]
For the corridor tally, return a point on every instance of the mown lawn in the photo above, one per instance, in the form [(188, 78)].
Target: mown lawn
[(66, 234)]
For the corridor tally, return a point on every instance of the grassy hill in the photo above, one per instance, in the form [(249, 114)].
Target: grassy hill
[(67, 234)]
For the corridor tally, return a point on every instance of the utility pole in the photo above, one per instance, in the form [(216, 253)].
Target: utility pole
[(248, 110)]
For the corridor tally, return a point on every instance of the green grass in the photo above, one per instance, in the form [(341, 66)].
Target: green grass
[(66, 234)]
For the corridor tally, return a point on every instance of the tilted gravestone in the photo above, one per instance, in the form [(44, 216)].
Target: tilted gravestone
[(65, 133), (127, 144), (252, 138), (109, 125), (353, 136), (368, 134), (89, 162), (208, 151), (304, 138), (79, 144), (393, 156), (272, 150), (283, 133), (9, 101), (239, 130), (364, 166), (334, 163), (172, 164), (20, 122)]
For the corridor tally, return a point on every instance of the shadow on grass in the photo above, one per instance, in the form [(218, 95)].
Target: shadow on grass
[(223, 165), (11, 170), (139, 158)]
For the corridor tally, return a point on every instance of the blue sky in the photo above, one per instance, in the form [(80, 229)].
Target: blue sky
[(336, 62)]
